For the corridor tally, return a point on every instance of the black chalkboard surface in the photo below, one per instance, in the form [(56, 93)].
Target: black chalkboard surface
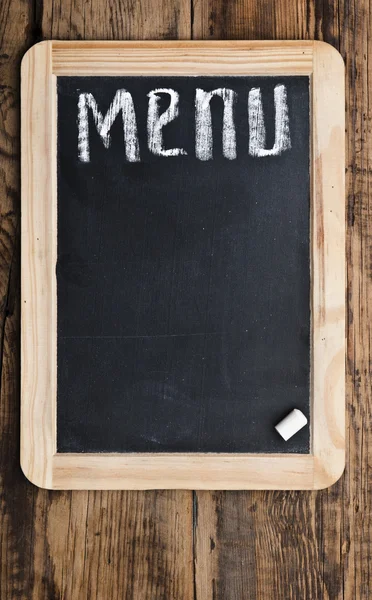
[(183, 281)]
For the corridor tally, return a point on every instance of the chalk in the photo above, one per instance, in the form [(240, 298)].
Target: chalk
[(203, 124), (257, 131), (90, 117), (122, 102), (156, 122), (291, 424)]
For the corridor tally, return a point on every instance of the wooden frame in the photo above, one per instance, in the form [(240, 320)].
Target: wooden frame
[(39, 459)]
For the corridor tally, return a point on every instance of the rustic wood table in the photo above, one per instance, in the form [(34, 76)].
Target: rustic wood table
[(191, 545)]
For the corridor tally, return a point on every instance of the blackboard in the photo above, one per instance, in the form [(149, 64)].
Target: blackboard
[(183, 265), (183, 284)]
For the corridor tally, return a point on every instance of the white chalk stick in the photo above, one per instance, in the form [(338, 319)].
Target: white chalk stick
[(291, 424)]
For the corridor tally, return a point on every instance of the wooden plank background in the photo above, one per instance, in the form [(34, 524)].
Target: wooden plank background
[(184, 545)]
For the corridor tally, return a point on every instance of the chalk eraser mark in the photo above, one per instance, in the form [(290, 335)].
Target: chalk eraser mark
[(291, 424)]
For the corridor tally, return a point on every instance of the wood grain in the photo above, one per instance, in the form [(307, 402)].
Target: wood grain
[(306, 545), (16, 496), (183, 58), (74, 544), (248, 545), (115, 19), (38, 260)]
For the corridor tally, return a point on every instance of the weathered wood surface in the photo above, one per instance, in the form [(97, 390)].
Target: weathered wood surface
[(169, 545), (306, 545), (74, 545)]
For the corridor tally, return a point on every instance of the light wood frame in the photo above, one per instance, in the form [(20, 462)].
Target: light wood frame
[(39, 460)]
